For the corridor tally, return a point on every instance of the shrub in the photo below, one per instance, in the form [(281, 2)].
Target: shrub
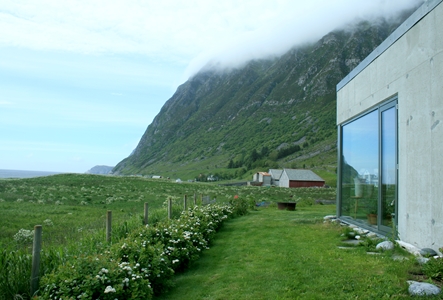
[(141, 264), (434, 268), (99, 277), (240, 206)]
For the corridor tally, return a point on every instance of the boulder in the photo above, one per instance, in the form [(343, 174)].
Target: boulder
[(427, 252), (422, 289), (422, 260), (386, 245)]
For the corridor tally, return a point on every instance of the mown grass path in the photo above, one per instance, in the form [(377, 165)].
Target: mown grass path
[(274, 254)]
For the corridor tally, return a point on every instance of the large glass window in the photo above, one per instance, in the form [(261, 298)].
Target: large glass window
[(368, 144), (388, 165)]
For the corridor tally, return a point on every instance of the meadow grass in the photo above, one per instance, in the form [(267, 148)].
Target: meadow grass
[(275, 254), (70, 206), (267, 254), (72, 209)]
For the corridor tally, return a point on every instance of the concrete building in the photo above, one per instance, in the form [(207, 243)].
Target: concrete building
[(295, 178), (390, 121)]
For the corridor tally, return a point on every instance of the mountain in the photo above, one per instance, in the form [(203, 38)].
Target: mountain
[(269, 113), (100, 170)]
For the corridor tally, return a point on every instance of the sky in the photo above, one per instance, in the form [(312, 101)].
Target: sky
[(80, 81)]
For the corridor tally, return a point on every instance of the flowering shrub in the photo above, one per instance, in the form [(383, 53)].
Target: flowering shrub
[(147, 258), (141, 264), (98, 277), (24, 236)]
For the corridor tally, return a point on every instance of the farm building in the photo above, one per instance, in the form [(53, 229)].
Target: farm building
[(390, 124), (275, 176), (263, 178), (294, 178)]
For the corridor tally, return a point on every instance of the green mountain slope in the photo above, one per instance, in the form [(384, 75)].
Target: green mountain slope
[(269, 113)]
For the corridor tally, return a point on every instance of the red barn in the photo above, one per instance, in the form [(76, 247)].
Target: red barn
[(294, 178)]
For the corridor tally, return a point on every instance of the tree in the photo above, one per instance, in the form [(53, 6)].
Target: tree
[(231, 164), (264, 151), (254, 155)]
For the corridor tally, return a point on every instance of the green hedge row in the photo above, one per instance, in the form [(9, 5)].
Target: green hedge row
[(140, 265)]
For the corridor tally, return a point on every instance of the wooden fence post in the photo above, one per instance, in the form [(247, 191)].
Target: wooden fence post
[(145, 219), (36, 248), (201, 199), (184, 203), (195, 199), (108, 226), (169, 208)]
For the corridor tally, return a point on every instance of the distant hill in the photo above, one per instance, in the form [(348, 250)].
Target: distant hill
[(268, 114), (100, 170)]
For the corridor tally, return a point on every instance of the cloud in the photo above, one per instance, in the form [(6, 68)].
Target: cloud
[(182, 32), (295, 25)]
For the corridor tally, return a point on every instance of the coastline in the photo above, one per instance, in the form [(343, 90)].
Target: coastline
[(16, 174)]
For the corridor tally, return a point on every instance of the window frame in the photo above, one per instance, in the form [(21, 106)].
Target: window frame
[(380, 107)]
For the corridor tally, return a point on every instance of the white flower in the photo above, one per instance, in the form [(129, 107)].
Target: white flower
[(109, 289)]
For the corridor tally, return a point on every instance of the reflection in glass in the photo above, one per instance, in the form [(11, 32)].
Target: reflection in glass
[(388, 165), (359, 185)]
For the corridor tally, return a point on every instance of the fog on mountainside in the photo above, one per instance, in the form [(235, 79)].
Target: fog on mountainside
[(297, 28), (269, 113)]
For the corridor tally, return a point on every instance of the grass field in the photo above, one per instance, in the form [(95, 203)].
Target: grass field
[(73, 204), (274, 254), (267, 254)]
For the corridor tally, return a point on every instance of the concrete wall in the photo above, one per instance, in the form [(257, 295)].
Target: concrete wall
[(411, 68)]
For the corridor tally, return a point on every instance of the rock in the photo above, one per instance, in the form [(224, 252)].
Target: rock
[(422, 289), (399, 258), (386, 245), (426, 252), (330, 217), (361, 230), (372, 235), (410, 248), (351, 242), (422, 260)]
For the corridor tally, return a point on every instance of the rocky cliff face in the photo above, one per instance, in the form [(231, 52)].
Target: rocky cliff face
[(221, 116)]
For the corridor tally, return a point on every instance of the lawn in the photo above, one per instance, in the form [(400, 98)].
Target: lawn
[(274, 254)]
